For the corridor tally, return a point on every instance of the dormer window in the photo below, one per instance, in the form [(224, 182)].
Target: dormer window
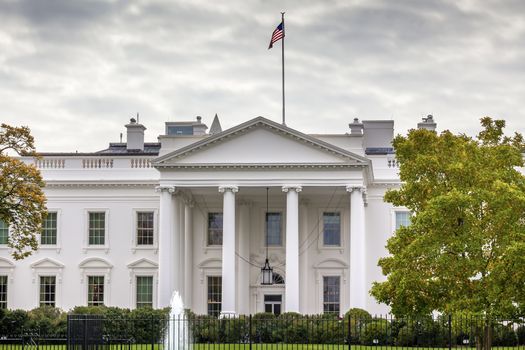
[(180, 130)]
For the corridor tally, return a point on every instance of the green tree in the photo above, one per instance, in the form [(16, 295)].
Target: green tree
[(465, 247), (22, 201)]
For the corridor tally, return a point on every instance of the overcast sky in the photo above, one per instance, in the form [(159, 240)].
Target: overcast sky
[(76, 71)]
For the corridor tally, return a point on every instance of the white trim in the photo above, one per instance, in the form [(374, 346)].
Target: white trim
[(331, 267), (139, 268), (95, 267), (208, 267), (342, 228), (205, 247), (47, 267), (7, 268), (155, 246), (262, 237), (393, 212), (86, 246), (58, 245)]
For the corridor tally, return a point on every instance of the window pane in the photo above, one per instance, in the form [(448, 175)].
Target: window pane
[(49, 229), (214, 228), (3, 292), (214, 295), (273, 221), (145, 228), (97, 228), (331, 294), (332, 229), (47, 290), (144, 291), (402, 219), (95, 290), (4, 232)]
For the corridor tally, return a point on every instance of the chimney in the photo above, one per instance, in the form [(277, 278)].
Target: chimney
[(427, 123), (199, 128), (135, 137), (356, 128), (378, 133)]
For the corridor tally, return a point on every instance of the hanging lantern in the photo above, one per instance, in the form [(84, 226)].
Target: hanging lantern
[(267, 273)]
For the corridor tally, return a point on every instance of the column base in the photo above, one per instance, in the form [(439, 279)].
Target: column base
[(227, 314)]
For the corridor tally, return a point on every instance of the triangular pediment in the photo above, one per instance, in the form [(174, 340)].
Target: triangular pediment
[(260, 142), (143, 264), (47, 263), (6, 263)]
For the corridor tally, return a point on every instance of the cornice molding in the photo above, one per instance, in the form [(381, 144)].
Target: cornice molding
[(263, 166)]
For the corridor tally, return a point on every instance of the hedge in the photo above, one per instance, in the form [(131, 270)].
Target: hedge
[(146, 325)]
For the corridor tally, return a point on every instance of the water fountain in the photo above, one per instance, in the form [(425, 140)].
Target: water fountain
[(177, 330)]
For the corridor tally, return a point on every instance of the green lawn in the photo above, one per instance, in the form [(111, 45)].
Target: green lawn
[(240, 347)]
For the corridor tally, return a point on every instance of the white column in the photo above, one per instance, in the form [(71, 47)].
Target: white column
[(175, 245), (165, 283), (292, 248), (228, 252), (243, 289), (303, 255), (180, 264), (358, 293), (188, 254)]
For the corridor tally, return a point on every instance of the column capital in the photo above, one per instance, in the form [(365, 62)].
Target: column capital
[(166, 188), (351, 188), (296, 188), (228, 188)]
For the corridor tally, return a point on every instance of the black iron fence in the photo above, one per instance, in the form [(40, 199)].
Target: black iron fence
[(266, 332)]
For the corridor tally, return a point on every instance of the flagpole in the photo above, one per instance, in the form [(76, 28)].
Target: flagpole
[(282, 58)]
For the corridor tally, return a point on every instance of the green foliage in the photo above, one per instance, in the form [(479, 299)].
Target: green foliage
[(377, 332), (465, 247), (504, 336), (22, 200), (14, 322)]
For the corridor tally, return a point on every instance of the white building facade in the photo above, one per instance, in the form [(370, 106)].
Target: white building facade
[(199, 213)]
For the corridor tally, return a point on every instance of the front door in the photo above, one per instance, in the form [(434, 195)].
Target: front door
[(272, 303)]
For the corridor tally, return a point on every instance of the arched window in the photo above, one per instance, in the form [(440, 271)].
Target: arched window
[(277, 279)]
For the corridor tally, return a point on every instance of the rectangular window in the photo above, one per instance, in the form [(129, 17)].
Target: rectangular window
[(47, 290), (214, 228), (214, 295), (332, 229), (273, 222), (331, 294), (4, 232), (145, 228), (402, 219), (3, 292), (97, 228), (49, 230), (95, 290), (144, 291)]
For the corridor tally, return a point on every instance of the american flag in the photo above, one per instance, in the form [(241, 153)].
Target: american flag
[(277, 35)]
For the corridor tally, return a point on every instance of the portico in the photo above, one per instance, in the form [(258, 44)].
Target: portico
[(312, 181)]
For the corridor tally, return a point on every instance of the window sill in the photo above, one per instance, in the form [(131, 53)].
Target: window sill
[(104, 248), (153, 248), (341, 249), (50, 247)]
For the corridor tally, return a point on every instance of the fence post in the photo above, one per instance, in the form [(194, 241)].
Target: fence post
[(85, 342), (250, 331), (349, 331), (152, 333), (449, 332)]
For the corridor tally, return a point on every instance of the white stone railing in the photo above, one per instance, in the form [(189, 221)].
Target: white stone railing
[(97, 163), (50, 163), (93, 162), (140, 162)]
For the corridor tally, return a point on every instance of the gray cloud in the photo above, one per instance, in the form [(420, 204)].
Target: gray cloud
[(75, 71)]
